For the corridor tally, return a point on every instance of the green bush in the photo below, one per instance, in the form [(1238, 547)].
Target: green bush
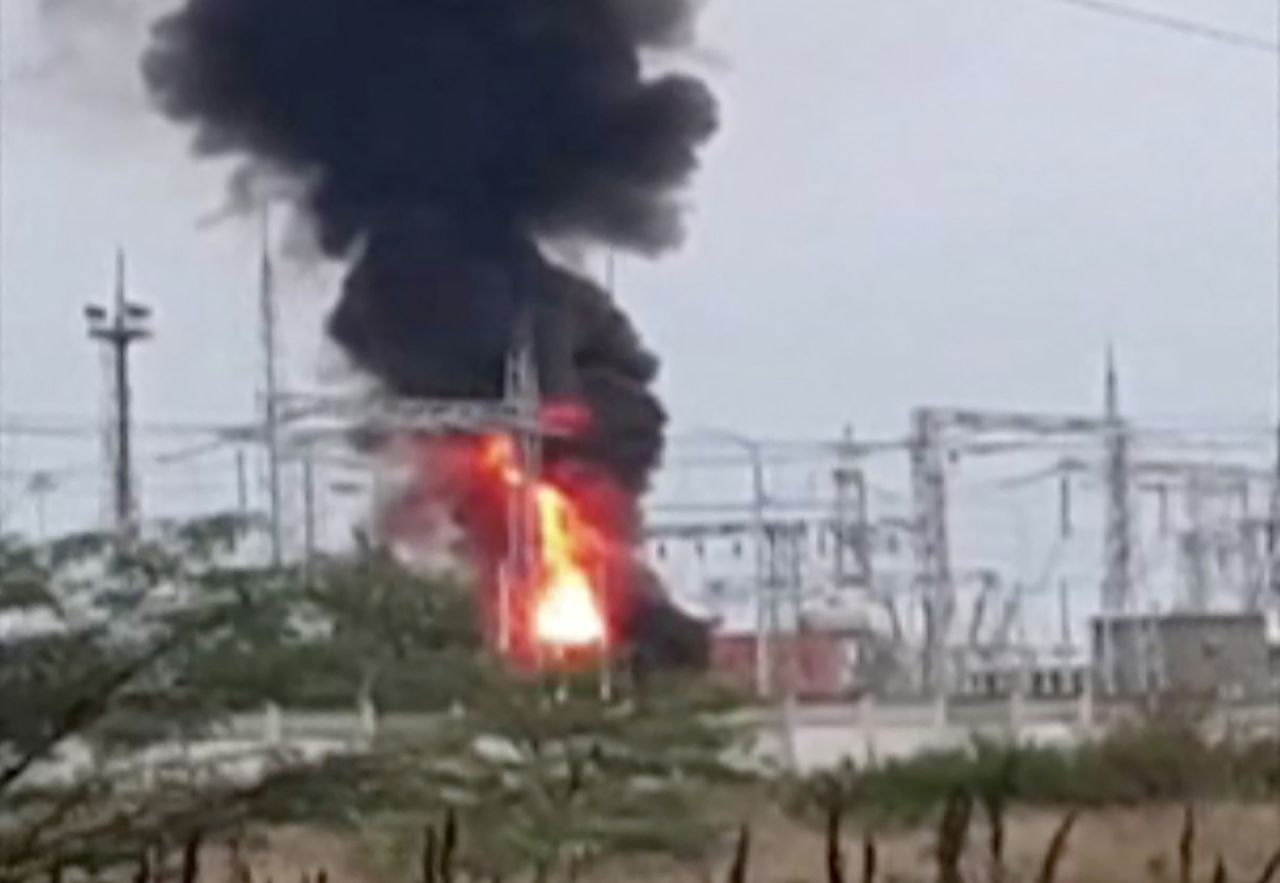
[(1143, 764)]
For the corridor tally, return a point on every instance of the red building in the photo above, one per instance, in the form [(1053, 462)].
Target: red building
[(814, 665)]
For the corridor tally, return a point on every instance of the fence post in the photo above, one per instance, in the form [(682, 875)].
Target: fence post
[(1017, 710), (867, 724), (940, 715), (1085, 710), (272, 724), (368, 717)]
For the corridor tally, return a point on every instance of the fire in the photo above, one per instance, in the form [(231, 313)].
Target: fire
[(564, 611), (567, 616)]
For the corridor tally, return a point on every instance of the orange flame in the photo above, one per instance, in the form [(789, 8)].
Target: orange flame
[(565, 610)]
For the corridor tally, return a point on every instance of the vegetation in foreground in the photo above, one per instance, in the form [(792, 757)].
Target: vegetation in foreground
[(1157, 761), (114, 655), (971, 795), (119, 660), (1134, 845)]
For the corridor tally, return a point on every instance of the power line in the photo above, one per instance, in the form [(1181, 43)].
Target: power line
[(83, 427), (78, 471), (195, 452), (1185, 26)]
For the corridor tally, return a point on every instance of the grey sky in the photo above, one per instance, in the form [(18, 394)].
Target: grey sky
[(963, 200), (912, 200)]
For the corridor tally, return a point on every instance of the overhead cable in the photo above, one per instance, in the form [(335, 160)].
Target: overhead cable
[(1185, 26)]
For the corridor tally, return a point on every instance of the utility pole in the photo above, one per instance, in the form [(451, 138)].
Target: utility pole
[(766, 602), (1273, 514), (1117, 567), (309, 509), (929, 499), (270, 394), (118, 329), (1273, 522), (1066, 524), (242, 483), (524, 393), (852, 517), (795, 580), (40, 484), (1196, 544), (1064, 615)]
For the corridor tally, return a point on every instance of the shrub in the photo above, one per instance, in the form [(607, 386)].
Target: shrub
[(1153, 762)]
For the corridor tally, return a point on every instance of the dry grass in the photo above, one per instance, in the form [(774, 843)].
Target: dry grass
[(1105, 846), (289, 855)]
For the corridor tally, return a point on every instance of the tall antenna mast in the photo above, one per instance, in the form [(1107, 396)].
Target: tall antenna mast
[(1117, 568), (270, 393), (1273, 515), (117, 329), (1117, 589)]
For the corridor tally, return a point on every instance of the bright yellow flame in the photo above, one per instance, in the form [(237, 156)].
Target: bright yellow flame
[(566, 610), (567, 616)]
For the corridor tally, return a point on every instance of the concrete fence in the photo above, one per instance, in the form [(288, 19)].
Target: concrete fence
[(813, 736)]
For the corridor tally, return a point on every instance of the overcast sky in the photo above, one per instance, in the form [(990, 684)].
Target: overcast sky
[(942, 201)]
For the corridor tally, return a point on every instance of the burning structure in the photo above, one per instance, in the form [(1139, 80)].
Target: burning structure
[(438, 145)]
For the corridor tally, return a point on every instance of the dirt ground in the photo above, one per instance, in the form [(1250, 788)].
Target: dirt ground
[(1107, 846)]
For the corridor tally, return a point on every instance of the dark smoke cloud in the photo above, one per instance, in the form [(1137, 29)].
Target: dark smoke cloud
[(442, 139), (437, 143), (657, 22)]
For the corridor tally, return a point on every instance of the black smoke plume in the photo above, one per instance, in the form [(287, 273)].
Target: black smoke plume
[(442, 141)]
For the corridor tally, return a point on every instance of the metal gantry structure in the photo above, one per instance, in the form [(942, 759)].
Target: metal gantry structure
[(937, 436), (307, 420), (778, 535), (1200, 482), (772, 523), (117, 328), (1220, 544), (933, 432)]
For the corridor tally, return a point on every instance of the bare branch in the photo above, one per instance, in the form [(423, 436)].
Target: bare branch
[(1057, 849)]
